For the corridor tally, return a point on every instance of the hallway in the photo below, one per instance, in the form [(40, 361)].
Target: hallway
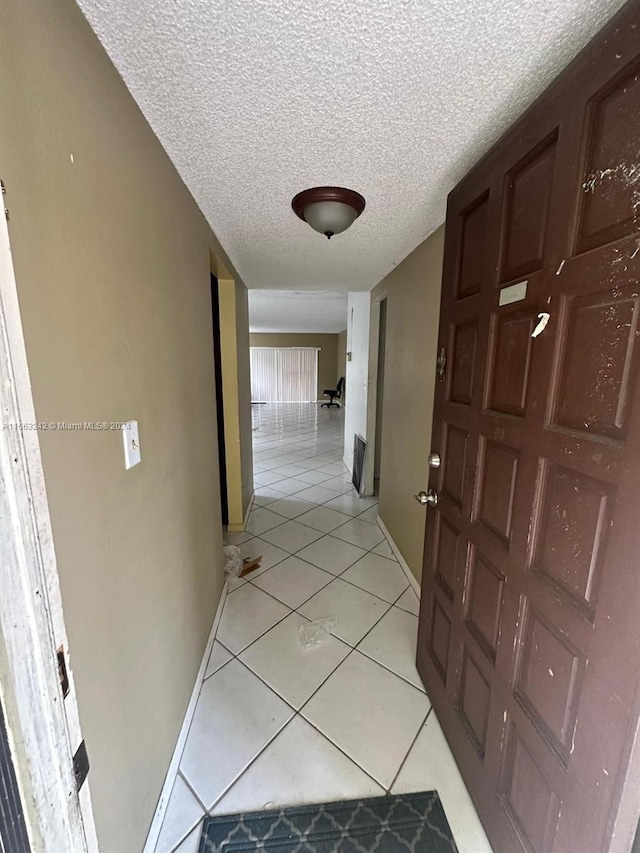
[(278, 724)]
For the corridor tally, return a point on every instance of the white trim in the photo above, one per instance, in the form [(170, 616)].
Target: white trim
[(44, 729), (239, 528), (165, 794), (372, 398), (403, 563), (249, 508)]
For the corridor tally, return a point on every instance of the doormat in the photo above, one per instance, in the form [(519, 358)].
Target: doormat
[(411, 822)]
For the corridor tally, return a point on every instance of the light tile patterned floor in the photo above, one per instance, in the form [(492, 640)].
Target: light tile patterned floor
[(278, 724)]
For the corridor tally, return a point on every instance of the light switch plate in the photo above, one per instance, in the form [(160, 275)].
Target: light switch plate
[(131, 440)]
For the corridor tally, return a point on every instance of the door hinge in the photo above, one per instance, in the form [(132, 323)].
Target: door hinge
[(63, 675), (441, 364), (4, 192), (81, 765)]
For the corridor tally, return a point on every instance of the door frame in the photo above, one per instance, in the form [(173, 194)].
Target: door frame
[(372, 393), (43, 726), (217, 374)]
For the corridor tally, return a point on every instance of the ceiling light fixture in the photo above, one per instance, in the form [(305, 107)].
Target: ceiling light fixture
[(328, 210)]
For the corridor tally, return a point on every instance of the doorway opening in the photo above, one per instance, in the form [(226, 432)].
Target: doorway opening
[(382, 340), (217, 370), (284, 374)]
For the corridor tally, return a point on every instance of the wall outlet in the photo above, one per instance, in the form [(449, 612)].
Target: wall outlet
[(131, 441)]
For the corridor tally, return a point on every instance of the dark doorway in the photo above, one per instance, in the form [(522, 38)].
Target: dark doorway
[(217, 369), (529, 641), (382, 343), (13, 831)]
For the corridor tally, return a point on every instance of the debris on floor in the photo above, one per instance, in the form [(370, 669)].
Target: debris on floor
[(233, 563), (316, 633), (250, 564), (237, 567)]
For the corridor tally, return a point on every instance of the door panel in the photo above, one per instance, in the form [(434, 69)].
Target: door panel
[(464, 337), (528, 196), (611, 162), (455, 441), (511, 346), (497, 478), (472, 245), (485, 594), (529, 641), (569, 542), (448, 553)]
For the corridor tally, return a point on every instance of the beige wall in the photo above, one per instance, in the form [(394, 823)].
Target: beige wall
[(236, 384), (341, 354), (413, 304), (112, 259), (327, 357), (244, 393)]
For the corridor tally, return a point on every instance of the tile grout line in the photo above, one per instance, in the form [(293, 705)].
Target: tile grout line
[(272, 445), (200, 818), (323, 533), (334, 577), (322, 536), (298, 712), (193, 791), (413, 743), (258, 754), (324, 681)]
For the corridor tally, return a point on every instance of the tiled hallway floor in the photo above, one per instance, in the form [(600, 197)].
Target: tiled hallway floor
[(278, 724)]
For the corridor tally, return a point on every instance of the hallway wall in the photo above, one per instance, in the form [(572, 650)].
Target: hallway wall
[(413, 305), (236, 384), (342, 354), (357, 373), (112, 259), (244, 393), (327, 357)]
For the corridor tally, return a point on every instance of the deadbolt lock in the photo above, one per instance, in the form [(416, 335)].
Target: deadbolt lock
[(434, 459)]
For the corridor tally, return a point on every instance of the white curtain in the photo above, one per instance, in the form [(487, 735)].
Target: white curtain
[(284, 375)]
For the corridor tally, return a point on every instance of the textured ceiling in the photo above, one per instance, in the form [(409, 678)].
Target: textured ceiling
[(295, 311), (255, 100)]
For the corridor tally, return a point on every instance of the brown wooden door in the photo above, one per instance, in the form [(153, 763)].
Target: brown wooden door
[(529, 642)]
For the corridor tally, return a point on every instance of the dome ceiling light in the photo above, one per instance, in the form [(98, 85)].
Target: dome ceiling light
[(329, 210)]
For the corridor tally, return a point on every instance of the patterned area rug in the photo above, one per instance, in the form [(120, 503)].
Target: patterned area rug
[(411, 822)]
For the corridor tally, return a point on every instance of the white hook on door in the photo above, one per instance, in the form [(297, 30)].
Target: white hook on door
[(543, 319)]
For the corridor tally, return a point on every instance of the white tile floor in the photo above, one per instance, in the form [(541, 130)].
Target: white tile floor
[(278, 724)]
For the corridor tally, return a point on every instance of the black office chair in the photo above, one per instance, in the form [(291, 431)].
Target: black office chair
[(333, 394)]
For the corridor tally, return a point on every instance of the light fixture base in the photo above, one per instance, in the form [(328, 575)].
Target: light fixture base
[(328, 210)]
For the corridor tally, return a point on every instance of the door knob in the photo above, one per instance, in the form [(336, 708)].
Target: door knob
[(434, 459), (429, 498)]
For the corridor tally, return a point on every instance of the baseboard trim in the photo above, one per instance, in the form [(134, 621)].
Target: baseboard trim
[(403, 563), (163, 801)]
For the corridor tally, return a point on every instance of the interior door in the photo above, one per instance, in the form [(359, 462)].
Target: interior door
[(529, 641)]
